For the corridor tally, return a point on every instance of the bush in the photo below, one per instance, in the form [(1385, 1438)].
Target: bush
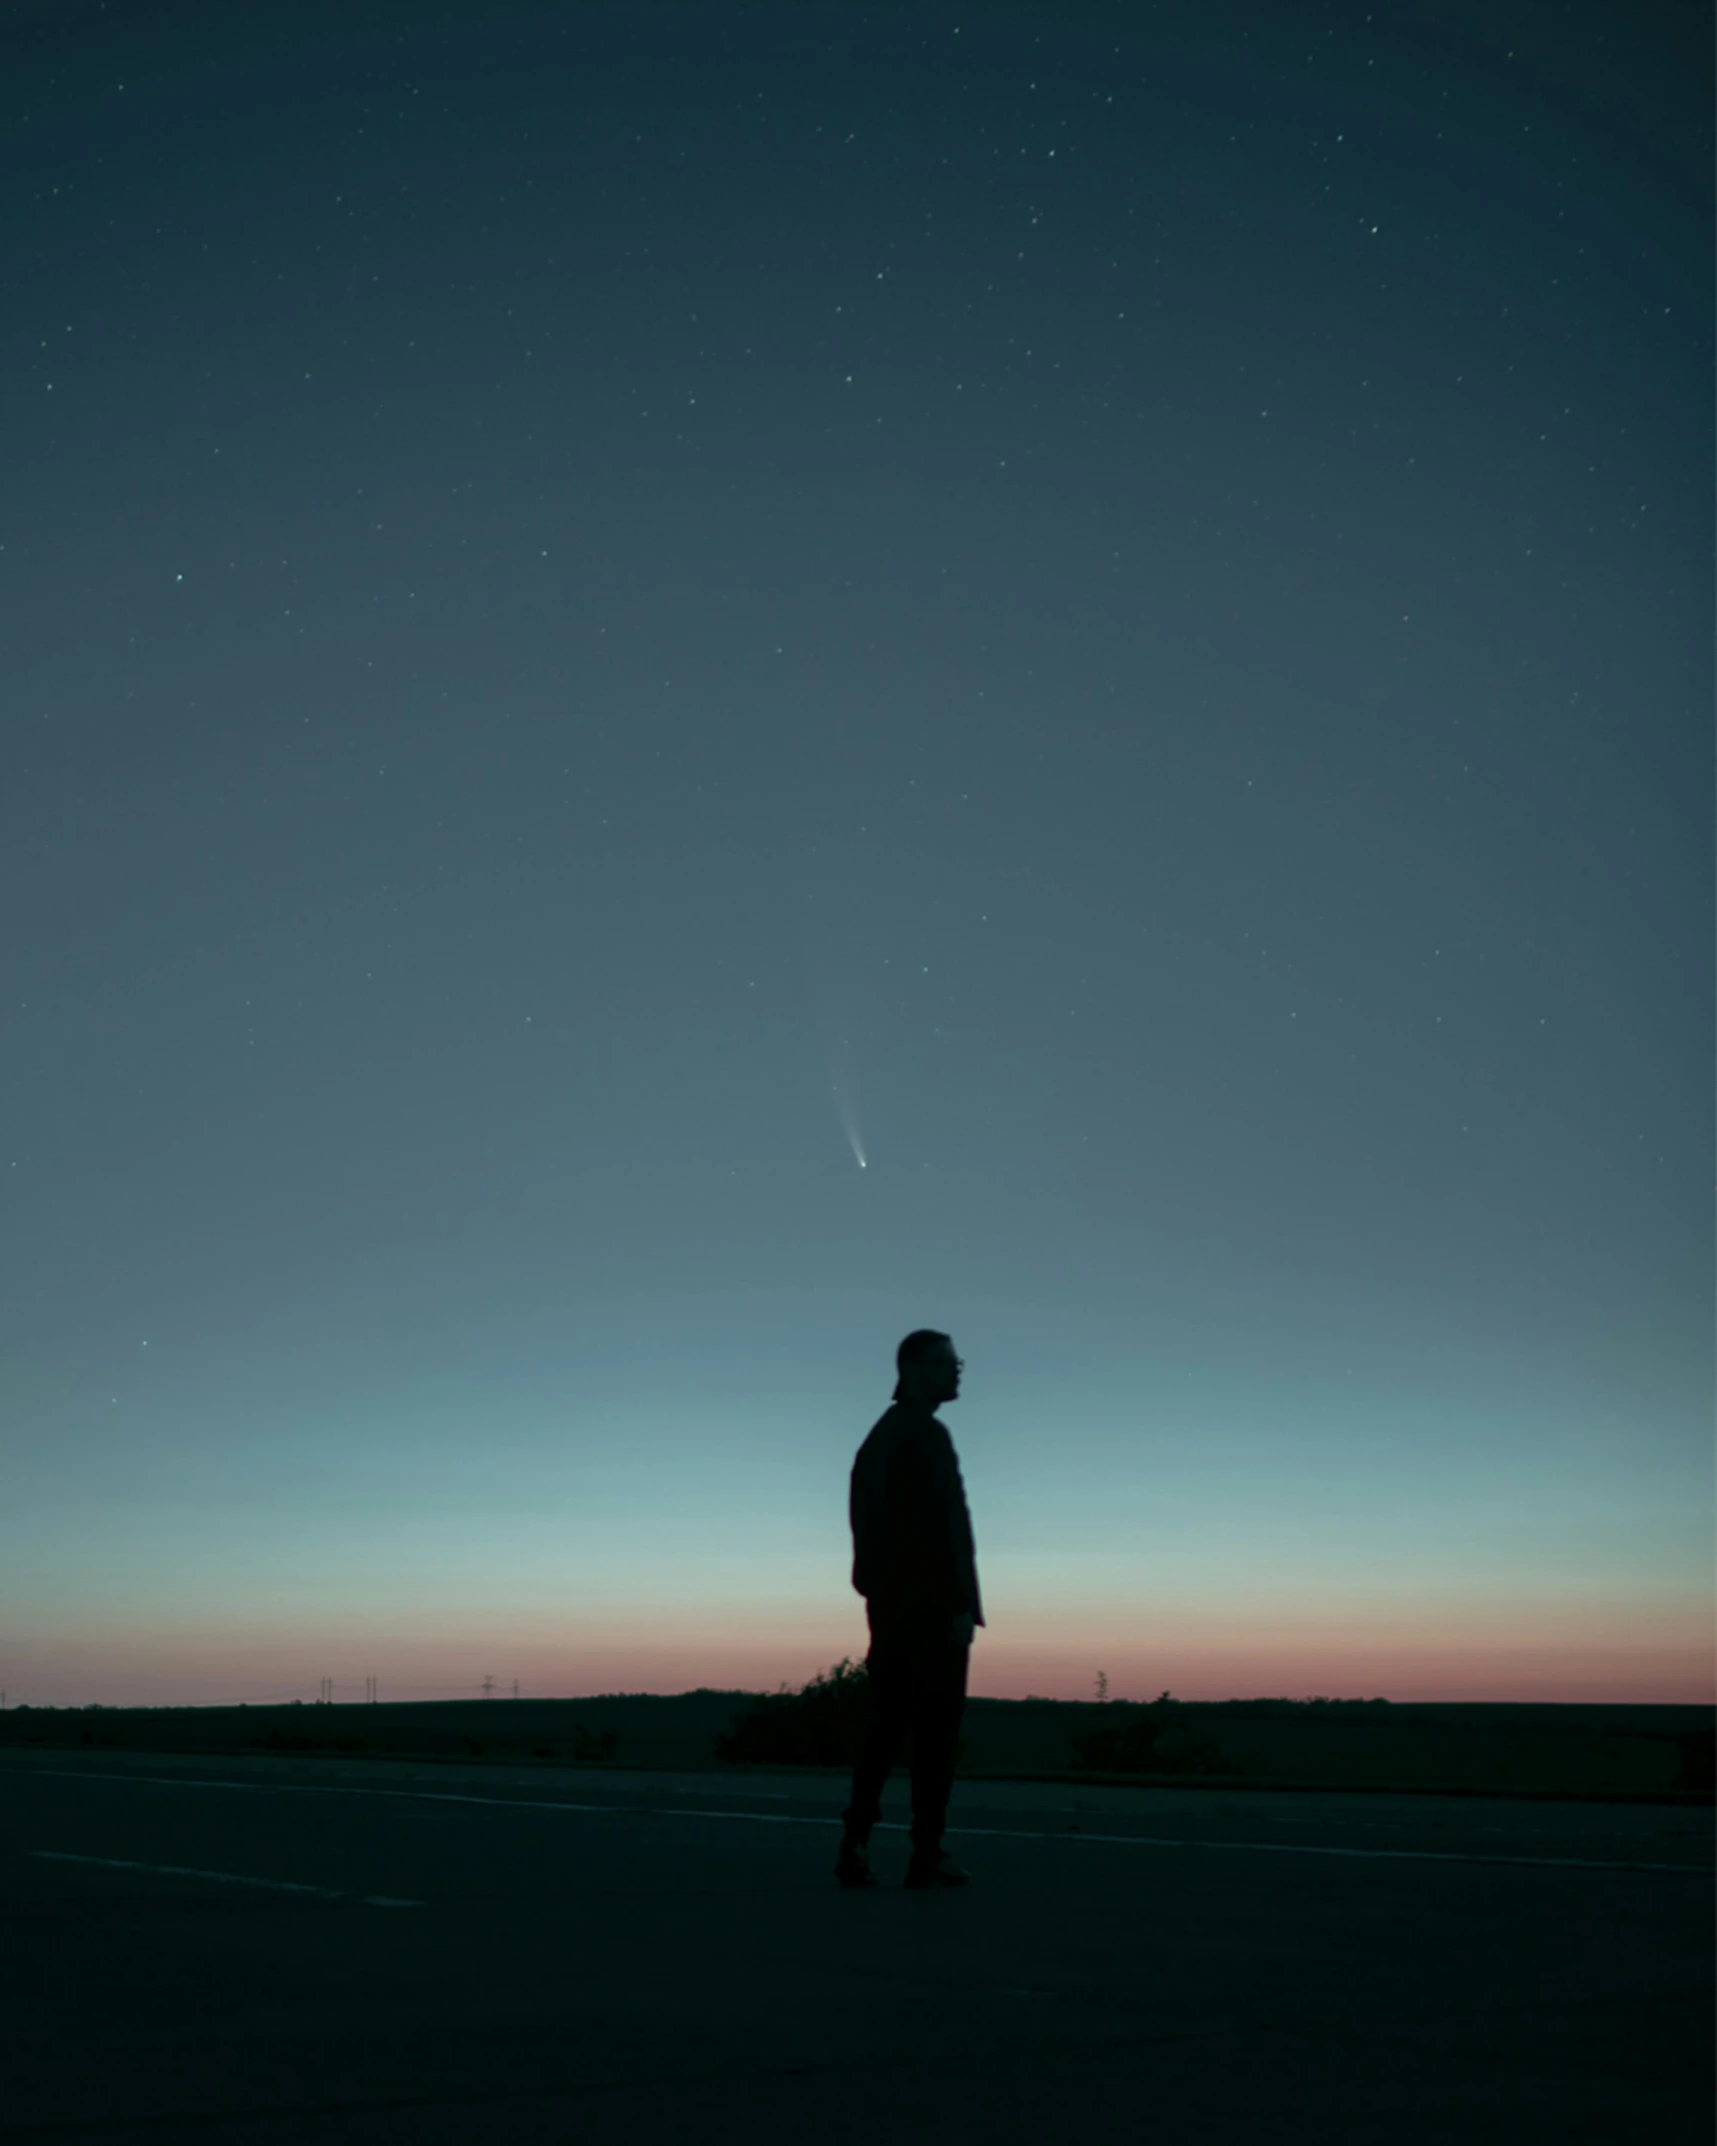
[(593, 1743), (824, 1724), (1147, 1739)]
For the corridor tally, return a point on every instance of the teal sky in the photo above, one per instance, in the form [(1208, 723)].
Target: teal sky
[(615, 613)]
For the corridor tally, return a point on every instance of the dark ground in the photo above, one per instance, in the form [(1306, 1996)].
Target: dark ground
[(1495, 1748), (640, 1957)]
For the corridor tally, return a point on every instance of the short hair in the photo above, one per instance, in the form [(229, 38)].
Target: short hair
[(918, 1347)]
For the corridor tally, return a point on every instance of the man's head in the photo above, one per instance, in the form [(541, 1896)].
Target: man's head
[(929, 1370)]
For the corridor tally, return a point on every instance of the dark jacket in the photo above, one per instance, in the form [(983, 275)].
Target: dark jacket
[(913, 1556)]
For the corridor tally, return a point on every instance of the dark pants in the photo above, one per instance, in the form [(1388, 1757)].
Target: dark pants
[(918, 1684)]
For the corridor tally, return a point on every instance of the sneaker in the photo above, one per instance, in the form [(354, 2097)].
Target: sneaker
[(927, 1872), (852, 1866)]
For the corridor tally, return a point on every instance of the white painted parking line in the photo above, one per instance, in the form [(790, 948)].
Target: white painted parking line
[(967, 1832), (224, 1877), (1408, 1855)]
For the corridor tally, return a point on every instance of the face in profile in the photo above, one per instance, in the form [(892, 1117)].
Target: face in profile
[(941, 1376)]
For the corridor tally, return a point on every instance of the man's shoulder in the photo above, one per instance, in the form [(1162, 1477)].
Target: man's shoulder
[(900, 1424), (877, 1436)]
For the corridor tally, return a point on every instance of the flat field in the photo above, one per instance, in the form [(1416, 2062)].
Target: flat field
[(1476, 1748)]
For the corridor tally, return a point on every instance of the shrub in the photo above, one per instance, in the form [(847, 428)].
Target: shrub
[(824, 1724), (1147, 1739), (593, 1743)]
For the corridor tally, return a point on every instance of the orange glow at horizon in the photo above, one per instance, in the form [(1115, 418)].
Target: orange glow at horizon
[(1660, 1654)]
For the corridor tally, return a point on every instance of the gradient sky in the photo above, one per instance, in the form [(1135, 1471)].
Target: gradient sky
[(612, 610)]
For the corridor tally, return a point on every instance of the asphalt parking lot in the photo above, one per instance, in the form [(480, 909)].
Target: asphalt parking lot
[(265, 1950)]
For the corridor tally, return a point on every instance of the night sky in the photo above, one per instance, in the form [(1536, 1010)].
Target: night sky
[(688, 685)]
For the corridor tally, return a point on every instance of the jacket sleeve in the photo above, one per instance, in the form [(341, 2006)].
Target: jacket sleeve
[(868, 1519), (963, 1549)]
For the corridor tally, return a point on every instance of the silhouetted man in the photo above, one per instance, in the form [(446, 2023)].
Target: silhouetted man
[(914, 1563)]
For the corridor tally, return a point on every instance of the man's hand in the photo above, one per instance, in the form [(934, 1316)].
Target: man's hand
[(964, 1627)]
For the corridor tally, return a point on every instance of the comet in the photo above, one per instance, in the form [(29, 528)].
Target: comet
[(849, 1124), (844, 1088)]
